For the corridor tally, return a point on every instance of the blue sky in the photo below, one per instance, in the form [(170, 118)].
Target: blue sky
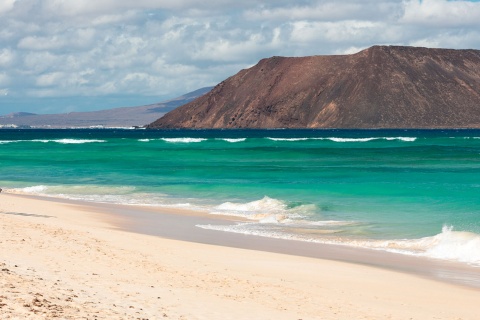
[(63, 55)]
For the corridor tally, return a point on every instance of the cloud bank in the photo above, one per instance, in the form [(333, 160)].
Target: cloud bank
[(84, 53)]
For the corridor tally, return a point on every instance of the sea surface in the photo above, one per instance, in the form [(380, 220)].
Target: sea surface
[(414, 192)]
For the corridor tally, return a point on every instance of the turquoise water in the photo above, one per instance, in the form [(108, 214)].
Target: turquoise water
[(409, 191)]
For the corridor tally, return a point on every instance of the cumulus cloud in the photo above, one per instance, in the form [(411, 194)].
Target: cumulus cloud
[(163, 48), (442, 13), (6, 5), (7, 57), (328, 11)]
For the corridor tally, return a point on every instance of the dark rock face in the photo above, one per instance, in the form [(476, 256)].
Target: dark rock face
[(380, 87)]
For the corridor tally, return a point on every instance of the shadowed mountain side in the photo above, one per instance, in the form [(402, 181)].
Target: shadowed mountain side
[(380, 87), (118, 117)]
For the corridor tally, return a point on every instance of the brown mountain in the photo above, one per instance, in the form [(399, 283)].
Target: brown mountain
[(380, 87)]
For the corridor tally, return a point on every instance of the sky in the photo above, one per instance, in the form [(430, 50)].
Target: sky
[(59, 56)]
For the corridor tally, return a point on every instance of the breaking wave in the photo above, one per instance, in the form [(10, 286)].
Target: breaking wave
[(265, 210), (269, 217), (453, 245), (337, 139), (234, 140), (289, 139), (183, 140), (61, 141), (460, 246), (70, 141)]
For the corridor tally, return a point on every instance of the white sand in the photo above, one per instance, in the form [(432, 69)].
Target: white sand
[(64, 261)]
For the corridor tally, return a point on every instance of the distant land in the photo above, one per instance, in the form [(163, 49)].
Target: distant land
[(380, 87), (118, 117)]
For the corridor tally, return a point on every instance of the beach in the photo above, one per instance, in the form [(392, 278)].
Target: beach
[(72, 260)]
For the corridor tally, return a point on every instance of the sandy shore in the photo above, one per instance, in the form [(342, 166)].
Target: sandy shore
[(62, 260)]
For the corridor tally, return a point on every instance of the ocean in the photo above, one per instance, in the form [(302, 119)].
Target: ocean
[(414, 192)]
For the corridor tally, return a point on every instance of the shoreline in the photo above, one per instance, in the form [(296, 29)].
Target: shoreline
[(117, 257), (181, 224)]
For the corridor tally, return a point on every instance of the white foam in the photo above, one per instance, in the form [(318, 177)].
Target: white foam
[(287, 139), (6, 141), (352, 139), (325, 223), (78, 141), (450, 245), (405, 139), (69, 141), (73, 190), (455, 245), (125, 195), (337, 139), (234, 140), (246, 228), (264, 204), (183, 140), (31, 190), (144, 140), (265, 210)]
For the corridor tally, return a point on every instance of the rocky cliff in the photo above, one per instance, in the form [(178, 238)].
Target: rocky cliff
[(380, 87)]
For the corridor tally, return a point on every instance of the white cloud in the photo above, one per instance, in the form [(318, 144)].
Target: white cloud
[(51, 48), (35, 63), (7, 57), (449, 40), (50, 79), (6, 5), (41, 43), (334, 32), (323, 11), (442, 13)]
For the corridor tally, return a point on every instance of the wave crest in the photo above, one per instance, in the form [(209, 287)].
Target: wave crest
[(234, 140), (70, 141), (265, 210), (455, 245), (183, 140)]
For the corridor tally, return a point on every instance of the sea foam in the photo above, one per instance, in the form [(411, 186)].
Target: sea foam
[(338, 139), (448, 245), (405, 139), (288, 139), (234, 140), (455, 245), (69, 141), (265, 210), (351, 139), (183, 140)]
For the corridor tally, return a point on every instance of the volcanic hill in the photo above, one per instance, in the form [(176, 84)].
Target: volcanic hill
[(380, 87)]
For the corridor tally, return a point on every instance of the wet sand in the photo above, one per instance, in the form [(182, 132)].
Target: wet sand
[(75, 260)]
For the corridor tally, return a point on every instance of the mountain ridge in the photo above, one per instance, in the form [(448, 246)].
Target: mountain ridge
[(379, 87), (116, 117)]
